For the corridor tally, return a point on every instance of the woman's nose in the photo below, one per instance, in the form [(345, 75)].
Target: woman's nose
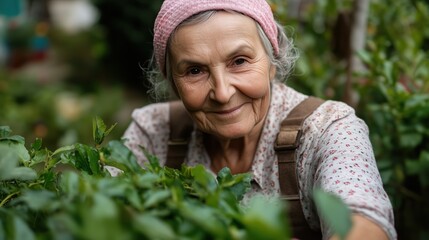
[(222, 90)]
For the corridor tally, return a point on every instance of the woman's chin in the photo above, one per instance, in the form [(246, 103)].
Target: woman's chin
[(231, 132)]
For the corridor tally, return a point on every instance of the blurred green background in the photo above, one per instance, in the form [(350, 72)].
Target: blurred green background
[(64, 61)]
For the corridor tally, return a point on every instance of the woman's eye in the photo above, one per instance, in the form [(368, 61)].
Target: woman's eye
[(239, 61), (194, 71)]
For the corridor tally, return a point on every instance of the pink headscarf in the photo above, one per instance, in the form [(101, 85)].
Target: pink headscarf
[(174, 12)]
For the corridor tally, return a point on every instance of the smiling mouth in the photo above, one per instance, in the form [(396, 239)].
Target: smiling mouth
[(228, 111)]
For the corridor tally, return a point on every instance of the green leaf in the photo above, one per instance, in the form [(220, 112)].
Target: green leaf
[(37, 144), (2, 229), (204, 178), (104, 207), (224, 175), (116, 154), (364, 56), (69, 183), (17, 147), (62, 226), (21, 230), (153, 227), (410, 140), (14, 227), (334, 211), (239, 184), (154, 197), (80, 159), (388, 71), (14, 139), (87, 159), (40, 200), (153, 160), (120, 187), (265, 219), (204, 217), (22, 173), (99, 131), (64, 149), (93, 159), (39, 157), (5, 131), (9, 165), (109, 130), (99, 218), (146, 180)]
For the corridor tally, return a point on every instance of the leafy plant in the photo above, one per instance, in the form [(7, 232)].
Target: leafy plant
[(334, 212), (56, 111), (68, 193)]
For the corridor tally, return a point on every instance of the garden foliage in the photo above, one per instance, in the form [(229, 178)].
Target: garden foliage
[(69, 194), (56, 111)]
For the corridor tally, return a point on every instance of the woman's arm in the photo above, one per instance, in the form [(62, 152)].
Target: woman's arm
[(344, 165), (363, 228)]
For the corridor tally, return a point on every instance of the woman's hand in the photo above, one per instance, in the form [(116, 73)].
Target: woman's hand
[(363, 228)]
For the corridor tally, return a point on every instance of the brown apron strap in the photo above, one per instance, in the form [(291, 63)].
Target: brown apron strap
[(287, 142), (180, 130)]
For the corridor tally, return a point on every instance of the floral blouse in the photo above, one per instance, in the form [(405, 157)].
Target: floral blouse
[(335, 154)]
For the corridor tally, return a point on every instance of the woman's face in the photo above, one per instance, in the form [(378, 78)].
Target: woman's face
[(222, 74)]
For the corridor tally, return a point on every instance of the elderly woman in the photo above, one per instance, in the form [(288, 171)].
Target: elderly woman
[(225, 60)]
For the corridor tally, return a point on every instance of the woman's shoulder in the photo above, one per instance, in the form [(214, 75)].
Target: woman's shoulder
[(286, 98), (152, 116), (333, 115), (151, 110), (332, 110)]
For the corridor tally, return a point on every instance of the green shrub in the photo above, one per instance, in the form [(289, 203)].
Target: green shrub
[(68, 194), (56, 111)]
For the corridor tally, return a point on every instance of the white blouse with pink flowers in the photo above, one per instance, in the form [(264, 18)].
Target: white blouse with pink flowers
[(335, 154)]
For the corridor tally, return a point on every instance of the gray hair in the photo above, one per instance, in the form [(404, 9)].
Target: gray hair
[(162, 87)]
